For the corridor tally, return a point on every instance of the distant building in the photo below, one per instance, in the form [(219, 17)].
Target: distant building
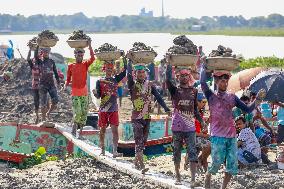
[(146, 14)]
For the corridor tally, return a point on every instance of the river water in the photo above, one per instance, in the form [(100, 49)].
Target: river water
[(248, 46)]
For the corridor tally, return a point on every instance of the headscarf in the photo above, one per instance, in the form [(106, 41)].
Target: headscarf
[(107, 65), (141, 67)]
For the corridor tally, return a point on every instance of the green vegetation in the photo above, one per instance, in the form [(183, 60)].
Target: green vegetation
[(271, 32), (96, 68), (271, 25), (268, 62)]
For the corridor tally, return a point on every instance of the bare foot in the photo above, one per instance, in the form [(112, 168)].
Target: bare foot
[(144, 170), (178, 180), (103, 153)]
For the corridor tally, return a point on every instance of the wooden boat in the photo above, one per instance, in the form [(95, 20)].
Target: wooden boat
[(159, 139)]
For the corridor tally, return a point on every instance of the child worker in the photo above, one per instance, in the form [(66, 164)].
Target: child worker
[(106, 90), (222, 129), (77, 76), (141, 92), (184, 100)]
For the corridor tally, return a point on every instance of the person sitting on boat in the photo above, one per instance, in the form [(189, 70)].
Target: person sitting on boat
[(77, 76), (184, 99), (141, 91), (35, 68), (249, 151), (46, 83), (222, 128), (106, 90)]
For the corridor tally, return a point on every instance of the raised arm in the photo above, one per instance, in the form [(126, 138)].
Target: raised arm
[(205, 88), (159, 98), (130, 81), (92, 55), (122, 74), (171, 87), (30, 62), (36, 54)]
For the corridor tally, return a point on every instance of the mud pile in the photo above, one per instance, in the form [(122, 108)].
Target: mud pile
[(79, 35), (183, 45), (16, 97), (223, 52), (72, 173), (106, 47)]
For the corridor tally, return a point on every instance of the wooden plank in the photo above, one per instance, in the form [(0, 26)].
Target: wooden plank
[(121, 165)]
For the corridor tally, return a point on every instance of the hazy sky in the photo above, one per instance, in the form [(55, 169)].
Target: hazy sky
[(173, 8)]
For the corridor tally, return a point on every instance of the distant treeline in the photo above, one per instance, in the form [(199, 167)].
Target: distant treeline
[(131, 23)]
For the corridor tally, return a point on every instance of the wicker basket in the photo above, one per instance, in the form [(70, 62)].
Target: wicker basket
[(222, 63), (46, 42), (77, 43), (108, 56), (141, 57), (183, 59)]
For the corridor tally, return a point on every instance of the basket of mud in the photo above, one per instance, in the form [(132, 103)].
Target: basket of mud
[(78, 39), (141, 57), (47, 39), (47, 42), (222, 63), (108, 55), (77, 43), (182, 59)]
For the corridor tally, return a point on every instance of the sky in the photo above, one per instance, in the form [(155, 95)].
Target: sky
[(173, 8)]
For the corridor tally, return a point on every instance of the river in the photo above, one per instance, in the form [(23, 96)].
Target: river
[(248, 46)]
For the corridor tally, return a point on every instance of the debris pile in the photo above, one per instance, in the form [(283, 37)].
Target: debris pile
[(223, 52), (183, 45), (79, 35), (106, 48), (16, 99), (46, 34)]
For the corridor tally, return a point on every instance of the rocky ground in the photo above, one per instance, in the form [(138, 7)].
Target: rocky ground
[(254, 177), (16, 104), (70, 174), (16, 100)]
